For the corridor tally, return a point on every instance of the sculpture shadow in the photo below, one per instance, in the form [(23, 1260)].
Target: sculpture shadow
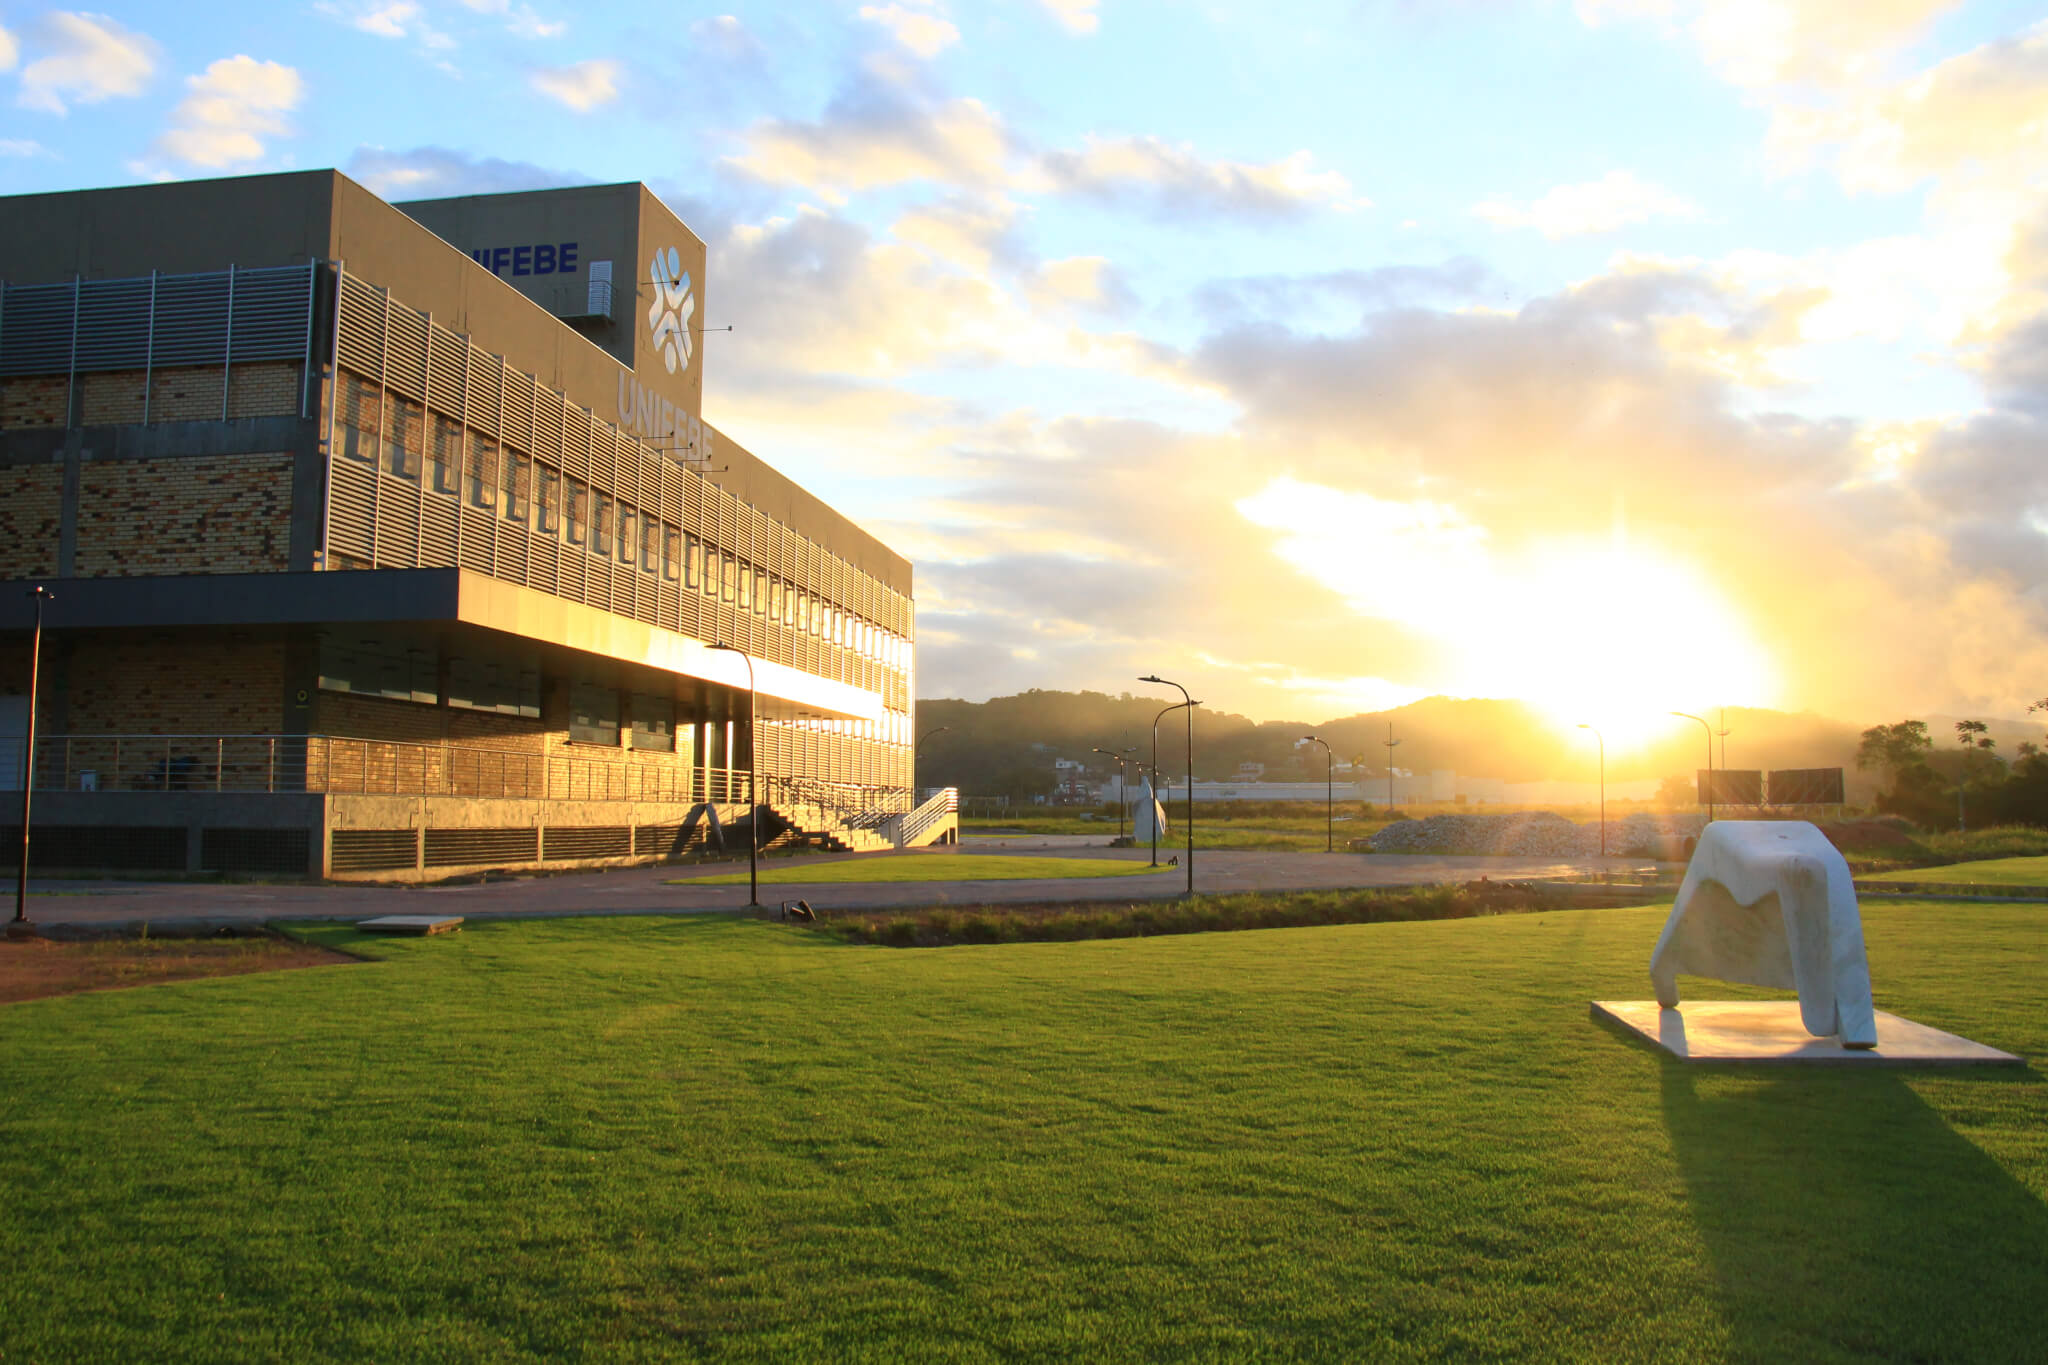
[(1845, 1219)]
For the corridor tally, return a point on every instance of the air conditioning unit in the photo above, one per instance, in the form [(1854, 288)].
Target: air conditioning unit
[(600, 305)]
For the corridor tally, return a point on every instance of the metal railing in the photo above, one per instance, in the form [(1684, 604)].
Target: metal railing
[(908, 828), (342, 764)]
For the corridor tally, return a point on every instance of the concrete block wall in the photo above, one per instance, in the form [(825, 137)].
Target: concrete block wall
[(31, 514), (195, 514)]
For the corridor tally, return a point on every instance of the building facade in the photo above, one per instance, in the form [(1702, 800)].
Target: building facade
[(391, 540)]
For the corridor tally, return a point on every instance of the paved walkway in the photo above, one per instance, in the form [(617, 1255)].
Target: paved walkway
[(667, 890)]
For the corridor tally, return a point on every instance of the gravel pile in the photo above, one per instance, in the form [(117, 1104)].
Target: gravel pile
[(1535, 834)]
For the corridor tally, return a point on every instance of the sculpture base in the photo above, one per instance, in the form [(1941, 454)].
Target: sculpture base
[(1770, 1031)]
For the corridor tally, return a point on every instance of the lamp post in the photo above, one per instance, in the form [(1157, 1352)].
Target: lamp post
[(1390, 742), (918, 745), (753, 779), (41, 595), (1155, 776), (1603, 784), (1329, 793), (1122, 786), (1709, 792), (1190, 704)]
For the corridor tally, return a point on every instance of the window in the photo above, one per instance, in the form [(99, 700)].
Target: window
[(671, 552), (483, 471), (576, 506), (654, 722), (444, 456), (729, 576), (746, 587), (690, 554), (482, 680), (517, 470), (358, 419), (377, 668), (760, 591), (650, 546), (629, 534), (405, 440), (547, 501), (601, 520), (593, 714)]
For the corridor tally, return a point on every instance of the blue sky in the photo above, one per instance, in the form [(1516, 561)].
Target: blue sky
[(1332, 354)]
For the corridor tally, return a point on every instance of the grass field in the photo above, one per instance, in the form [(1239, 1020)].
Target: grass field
[(930, 867), (617, 1139), (1989, 872)]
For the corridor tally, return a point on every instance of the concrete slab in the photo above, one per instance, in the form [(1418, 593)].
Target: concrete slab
[(411, 924), (1769, 1031)]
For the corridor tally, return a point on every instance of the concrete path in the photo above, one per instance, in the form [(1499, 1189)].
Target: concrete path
[(667, 890)]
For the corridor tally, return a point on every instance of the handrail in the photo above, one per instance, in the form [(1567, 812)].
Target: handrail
[(317, 763)]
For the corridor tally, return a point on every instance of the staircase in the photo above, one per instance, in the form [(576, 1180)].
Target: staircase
[(839, 821)]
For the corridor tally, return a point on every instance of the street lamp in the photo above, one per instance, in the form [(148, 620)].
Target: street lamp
[(1603, 784), (1329, 793), (1390, 742), (936, 730), (41, 595), (1160, 806), (753, 779), (1123, 785), (1709, 792), (1190, 703)]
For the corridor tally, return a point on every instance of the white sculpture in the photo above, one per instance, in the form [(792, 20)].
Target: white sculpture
[(1147, 816), (1771, 903)]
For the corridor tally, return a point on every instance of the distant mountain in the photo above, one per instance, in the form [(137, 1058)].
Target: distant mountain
[(1007, 745)]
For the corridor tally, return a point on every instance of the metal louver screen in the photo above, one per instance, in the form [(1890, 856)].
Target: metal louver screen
[(133, 324)]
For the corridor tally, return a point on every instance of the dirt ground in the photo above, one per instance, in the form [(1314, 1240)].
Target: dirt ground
[(33, 968)]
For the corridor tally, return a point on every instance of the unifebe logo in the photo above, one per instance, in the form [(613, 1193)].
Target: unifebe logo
[(675, 303)]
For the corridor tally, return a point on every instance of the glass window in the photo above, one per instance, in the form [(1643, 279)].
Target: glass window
[(547, 500), (690, 553), (601, 542), (359, 418), (444, 456), (517, 470), (760, 591), (405, 439), (576, 510), (654, 722), (729, 577), (746, 587), (483, 471), (377, 668), (671, 552), (481, 680), (593, 714), (629, 534), (650, 545)]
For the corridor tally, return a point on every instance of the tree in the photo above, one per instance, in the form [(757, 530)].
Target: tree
[(1674, 792), (1894, 748)]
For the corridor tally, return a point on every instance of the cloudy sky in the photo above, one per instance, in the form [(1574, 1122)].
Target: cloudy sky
[(1623, 354)]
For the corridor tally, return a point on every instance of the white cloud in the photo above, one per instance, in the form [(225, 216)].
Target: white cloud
[(1076, 16), (1176, 179), (85, 58), (230, 108), (388, 19), (438, 172), (525, 23), (1616, 200), (583, 86), (22, 146), (920, 30), (877, 139), (1769, 42), (10, 50)]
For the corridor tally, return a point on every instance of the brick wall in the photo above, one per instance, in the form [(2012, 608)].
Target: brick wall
[(206, 514), (264, 389), (108, 399), (185, 393), (31, 508), (198, 683), (36, 401)]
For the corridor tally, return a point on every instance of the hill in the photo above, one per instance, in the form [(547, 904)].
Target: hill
[(1006, 745)]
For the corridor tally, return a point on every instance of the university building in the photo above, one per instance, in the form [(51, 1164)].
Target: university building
[(390, 539)]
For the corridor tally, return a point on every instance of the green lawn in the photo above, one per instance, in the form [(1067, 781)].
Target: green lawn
[(929, 867), (1988, 872), (619, 1139)]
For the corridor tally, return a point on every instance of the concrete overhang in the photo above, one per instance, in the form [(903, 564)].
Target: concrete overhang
[(423, 597)]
